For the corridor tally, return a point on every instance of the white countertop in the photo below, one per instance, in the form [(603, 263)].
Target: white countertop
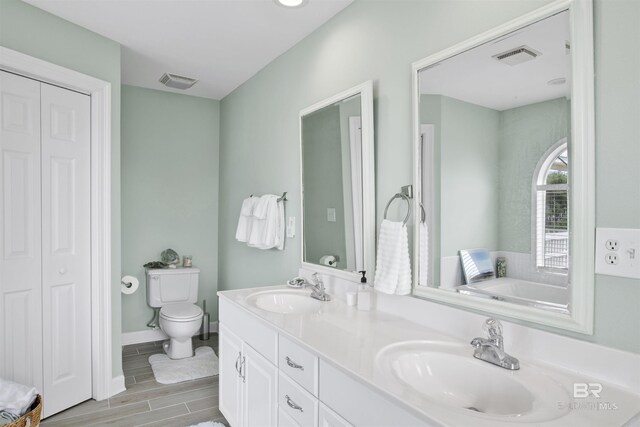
[(351, 339)]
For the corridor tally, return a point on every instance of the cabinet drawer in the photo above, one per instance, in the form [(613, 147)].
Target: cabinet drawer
[(296, 402), (285, 420), (328, 418), (299, 364)]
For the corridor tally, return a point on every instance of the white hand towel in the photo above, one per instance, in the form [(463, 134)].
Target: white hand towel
[(245, 220), (268, 224), (393, 267), (423, 266), (16, 398)]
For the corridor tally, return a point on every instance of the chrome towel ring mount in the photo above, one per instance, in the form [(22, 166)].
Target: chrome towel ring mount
[(407, 199)]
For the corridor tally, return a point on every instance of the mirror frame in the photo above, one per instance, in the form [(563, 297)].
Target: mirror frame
[(365, 90), (582, 152)]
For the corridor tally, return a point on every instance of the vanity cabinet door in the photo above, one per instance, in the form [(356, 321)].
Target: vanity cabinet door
[(260, 390), (328, 418), (230, 353)]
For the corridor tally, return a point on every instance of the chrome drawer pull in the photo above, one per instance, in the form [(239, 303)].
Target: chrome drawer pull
[(238, 361), (293, 364), (292, 404)]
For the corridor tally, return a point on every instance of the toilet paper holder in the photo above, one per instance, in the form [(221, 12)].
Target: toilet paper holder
[(127, 284)]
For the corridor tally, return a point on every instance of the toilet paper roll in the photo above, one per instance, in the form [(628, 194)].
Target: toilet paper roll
[(329, 260), (129, 284)]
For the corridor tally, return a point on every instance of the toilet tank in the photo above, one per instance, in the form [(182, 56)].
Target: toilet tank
[(171, 285)]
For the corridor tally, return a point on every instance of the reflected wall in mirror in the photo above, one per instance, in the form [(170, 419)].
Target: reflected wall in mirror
[(337, 181), (495, 173)]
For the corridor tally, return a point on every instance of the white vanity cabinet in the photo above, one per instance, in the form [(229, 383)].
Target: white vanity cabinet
[(248, 371), (269, 380), (248, 383)]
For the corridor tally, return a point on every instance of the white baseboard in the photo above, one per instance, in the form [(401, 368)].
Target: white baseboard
[(117, 385), (139, 337)]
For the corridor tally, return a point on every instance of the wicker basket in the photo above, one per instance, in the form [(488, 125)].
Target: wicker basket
[(31, 418)]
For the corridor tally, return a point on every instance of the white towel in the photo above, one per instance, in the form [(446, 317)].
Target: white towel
[(423, 265), (393, 267), (267, 230), (16, 398), (243, 231)]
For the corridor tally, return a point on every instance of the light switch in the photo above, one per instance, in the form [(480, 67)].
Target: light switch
[(618, 252), (291, 227), (331, 214)]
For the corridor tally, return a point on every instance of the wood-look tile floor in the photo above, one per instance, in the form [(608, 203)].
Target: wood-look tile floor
[(146, 402)]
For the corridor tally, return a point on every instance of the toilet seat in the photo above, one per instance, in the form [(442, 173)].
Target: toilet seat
[(180, 312)]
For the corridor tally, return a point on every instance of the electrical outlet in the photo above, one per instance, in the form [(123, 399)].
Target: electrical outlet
[(612, 244), (618, 252)]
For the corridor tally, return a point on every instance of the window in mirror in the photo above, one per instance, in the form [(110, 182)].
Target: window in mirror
[(552, 210)]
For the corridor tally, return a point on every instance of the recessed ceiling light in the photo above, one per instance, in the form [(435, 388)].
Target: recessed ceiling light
[(290, 3), (556, 82)]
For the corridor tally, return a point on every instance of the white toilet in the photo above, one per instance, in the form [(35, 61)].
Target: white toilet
[(175, 290)]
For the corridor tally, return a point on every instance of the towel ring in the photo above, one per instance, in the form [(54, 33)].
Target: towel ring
[(406, 199)]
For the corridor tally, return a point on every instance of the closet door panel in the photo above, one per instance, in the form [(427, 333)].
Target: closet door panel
[(66, 247), (20, 231)]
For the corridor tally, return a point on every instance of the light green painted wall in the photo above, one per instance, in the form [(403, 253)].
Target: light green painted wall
[(526, 133), (170, 153), (35, 32), (468, 148), (322, 175), (379, 40)]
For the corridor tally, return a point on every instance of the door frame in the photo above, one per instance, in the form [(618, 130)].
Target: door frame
[(102, 383)]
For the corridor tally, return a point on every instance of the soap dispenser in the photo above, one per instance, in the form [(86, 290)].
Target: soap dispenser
[(364, 293)]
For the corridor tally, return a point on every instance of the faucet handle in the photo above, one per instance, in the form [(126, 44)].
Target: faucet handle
[(492, 327)]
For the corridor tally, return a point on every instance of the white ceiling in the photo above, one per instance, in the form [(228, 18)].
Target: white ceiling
[(222, 43), (476, 77)]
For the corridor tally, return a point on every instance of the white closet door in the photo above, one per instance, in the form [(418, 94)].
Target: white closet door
[(66, 290), (20, 271)]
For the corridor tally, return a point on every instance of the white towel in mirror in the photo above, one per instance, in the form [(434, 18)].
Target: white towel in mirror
[(423, 265)]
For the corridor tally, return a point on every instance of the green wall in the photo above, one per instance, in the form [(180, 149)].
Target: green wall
[(468, 148), (323, 189), (379, 40), (169, 190), (35, 32), (526, 133)]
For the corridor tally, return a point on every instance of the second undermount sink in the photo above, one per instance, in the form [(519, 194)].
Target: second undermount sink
[(447, 374), (285, 301)]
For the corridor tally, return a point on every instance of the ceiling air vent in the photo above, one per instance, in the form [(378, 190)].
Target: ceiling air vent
[(177, 82), (517, 56)]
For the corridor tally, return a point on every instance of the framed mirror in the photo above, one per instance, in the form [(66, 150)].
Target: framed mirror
[(504, 170), (338, 183)]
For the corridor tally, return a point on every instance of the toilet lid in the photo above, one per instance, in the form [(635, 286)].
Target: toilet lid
[(180, 310)]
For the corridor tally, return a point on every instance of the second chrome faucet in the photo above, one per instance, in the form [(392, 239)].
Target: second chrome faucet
[(491, 349)]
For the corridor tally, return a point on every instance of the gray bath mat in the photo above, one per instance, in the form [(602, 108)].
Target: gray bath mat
[(169, 371)]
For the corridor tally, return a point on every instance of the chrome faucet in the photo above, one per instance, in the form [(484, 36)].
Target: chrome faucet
[(318, 290), (492, 349)]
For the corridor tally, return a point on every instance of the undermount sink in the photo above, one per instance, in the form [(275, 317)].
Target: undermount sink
[(448, 374), (285, 301)]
